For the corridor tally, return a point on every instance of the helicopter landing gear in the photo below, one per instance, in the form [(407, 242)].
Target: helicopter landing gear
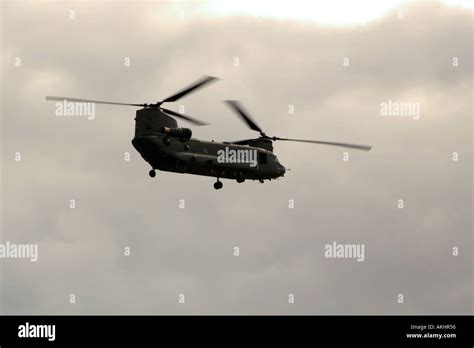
[(218, 185), (152, 173), (240, 178)]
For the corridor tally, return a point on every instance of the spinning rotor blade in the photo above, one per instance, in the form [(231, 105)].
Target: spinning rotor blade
[(203, 81), (89, 101), (243, 141), (352, 146), (178, 95), (184, 117), (239, 110), (167, 111)]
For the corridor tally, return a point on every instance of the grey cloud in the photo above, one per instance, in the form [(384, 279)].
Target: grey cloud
[(189, 250)]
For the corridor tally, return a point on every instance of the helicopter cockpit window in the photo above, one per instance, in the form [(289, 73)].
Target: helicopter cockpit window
[(276, 159), (262, 158)]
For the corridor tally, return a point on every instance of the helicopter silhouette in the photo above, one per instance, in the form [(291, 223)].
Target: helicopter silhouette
[(167, 147)]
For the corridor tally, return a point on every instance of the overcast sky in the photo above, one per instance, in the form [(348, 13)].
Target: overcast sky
[(418, 52)]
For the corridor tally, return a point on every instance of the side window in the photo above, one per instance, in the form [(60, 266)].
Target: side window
[(262, 158)]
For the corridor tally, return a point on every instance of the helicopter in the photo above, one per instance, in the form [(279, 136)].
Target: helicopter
[(167, 147)]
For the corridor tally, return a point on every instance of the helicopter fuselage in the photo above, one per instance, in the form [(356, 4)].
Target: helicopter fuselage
[(167, 147), (209, 158), (171, 153)]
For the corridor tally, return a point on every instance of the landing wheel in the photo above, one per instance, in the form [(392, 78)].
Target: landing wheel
[(152, 173), (218, 185), (261, 181), (240, 179)]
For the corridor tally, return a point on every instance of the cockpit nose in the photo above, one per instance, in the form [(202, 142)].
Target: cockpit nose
[(281, 170)]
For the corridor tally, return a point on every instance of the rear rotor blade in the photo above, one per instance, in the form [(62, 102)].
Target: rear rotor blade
[(242, 142), (185, 117), (89, 101), (203, 81), (239, 110), (352, 146)]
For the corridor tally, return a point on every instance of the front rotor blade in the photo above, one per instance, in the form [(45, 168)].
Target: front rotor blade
[(203, 81), (239, 110), (184, 117), (88, 101), (352, 146)]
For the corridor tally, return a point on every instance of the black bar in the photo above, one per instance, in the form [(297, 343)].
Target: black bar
[(239, 329)]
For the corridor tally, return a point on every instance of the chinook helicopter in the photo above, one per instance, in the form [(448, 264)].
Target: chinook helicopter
[(167, 147)]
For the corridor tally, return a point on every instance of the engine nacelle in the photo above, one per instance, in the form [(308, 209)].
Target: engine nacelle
[(182, 133)]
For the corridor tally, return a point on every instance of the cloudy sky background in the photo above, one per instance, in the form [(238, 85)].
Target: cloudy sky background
[(284, 59)]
